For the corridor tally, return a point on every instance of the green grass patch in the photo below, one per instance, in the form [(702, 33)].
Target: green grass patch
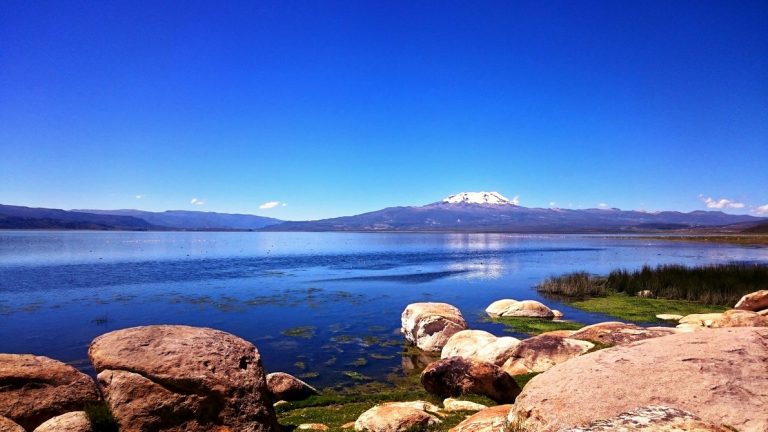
[(534, 326), (639, 309), (101, 418), (335, 408)]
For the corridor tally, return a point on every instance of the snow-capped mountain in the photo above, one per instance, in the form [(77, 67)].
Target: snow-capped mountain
[(479, 198), (492, 212)]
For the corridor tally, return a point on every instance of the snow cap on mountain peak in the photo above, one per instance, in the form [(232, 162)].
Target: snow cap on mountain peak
[(480, 198)]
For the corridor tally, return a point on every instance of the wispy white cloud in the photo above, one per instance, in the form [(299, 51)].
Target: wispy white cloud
[(516, 200), (763, 209), (196, 201), (270, 205), (552, 204), (139, 196), (722, 203), (602, 205)]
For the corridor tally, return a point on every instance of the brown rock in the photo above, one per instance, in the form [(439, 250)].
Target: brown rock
[(76, 421), (493, 419), (455, 376), (618, 333), (755, 301), (540, 353), (514, 308), (8, 425), (394, 418), (740, 318), (651, 419), (763, 312), (180, 378), (717, 374), (286, 387), (35, 388), (430, 325)]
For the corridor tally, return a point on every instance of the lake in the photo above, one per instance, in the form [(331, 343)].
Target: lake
[(316, 305)]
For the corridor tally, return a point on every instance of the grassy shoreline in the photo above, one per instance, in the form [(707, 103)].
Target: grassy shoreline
[(760, 240)]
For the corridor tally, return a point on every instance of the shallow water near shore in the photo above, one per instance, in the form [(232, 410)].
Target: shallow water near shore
[(323, 306)]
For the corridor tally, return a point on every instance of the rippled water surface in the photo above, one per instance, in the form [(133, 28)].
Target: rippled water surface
[(315, 304)]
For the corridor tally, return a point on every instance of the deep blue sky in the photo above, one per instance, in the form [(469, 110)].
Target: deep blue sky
[(342, 107)]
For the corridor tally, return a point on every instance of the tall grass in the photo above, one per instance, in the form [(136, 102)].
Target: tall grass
[(722, 284)]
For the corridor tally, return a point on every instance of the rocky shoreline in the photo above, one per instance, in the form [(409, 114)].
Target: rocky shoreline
[(706, 374)]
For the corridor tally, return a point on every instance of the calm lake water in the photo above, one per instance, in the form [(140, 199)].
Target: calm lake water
[(315, 304)]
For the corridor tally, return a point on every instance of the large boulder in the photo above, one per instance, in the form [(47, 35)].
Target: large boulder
[(716, 374), (540, 353), (498, 351), (493, 419), (76, 421), (740, 318), (755, 301), (514, 308), (651, 419), (430, 325), (466, 343), (287, 387), (455, 376), (395, 417), (34, 389), (618, 333), (8, 425), (480, 345), (180, 378)]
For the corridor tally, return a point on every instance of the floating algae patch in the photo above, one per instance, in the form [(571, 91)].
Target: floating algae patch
[(300, 365), (357, 376), (359, 362), (639, 309), (308, 375), (371, 340), (303, 332), (377, 356)]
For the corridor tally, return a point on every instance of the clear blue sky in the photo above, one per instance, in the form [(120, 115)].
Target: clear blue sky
[(336, 108)]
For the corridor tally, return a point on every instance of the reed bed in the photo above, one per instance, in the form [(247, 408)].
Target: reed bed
[(721, 284)]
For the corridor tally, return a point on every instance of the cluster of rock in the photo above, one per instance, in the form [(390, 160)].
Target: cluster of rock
[(421, 415), (719, 375), (154, 378)]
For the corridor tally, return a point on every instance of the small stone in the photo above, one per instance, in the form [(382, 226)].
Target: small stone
[(669, 317), (313, 426), (452, 405)]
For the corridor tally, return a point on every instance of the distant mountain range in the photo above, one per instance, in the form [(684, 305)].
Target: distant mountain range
[(492, 212), (464, 212), (16, 217)]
